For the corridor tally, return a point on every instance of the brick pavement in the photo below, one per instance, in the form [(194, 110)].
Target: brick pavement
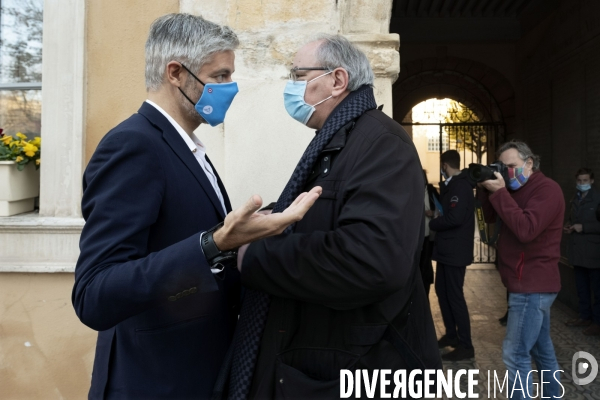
[(486, 299)]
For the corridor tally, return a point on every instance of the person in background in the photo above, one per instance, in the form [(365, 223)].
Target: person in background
[(584, 251), (531, 207), (455, 232), (425, 265)]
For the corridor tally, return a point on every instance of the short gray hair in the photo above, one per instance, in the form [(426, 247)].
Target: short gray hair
[(186, 38), (336, 51), (524, 152)]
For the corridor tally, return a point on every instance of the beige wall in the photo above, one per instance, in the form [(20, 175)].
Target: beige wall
[(116, 34), (45, 352)]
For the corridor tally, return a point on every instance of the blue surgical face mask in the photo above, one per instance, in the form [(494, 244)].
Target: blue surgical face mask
[(584, 188), (214, 100), (293, 99)]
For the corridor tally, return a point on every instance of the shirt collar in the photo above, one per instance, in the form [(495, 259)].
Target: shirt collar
[(193, 143)]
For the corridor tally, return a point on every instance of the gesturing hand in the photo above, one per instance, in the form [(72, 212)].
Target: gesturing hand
[(244, 225)]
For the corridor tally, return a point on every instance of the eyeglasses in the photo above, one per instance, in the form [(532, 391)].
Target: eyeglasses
[(293, 71)]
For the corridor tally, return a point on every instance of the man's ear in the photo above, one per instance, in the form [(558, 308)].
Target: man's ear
[(175, 73), (340, 81), (530, 163)]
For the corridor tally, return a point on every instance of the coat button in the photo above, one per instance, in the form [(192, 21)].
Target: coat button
[(326, 169), (281, 381), (172, 298), (326, 159)]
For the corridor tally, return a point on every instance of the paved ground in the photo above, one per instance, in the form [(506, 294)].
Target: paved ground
[(486, 299)]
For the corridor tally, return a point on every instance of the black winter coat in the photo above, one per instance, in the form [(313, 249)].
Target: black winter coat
[(455, 230), (347, 278), (584, 247)]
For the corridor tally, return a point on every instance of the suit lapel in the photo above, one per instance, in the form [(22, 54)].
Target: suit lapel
[(177, 144), (221, 186)]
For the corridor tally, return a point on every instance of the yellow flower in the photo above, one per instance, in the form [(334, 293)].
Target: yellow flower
[(30, 149), (21, 136), (37, 162), (6, 140), (19, 159), (37, 141)]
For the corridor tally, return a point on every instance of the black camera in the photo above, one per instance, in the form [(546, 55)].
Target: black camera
[(479, 173)]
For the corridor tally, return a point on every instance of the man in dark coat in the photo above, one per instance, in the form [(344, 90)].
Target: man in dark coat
[(164, 310), (453, 251), (584, 251), (344, 286)]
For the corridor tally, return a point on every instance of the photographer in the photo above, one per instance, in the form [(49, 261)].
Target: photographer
[(453, 251), (584, 251), (531, 207)]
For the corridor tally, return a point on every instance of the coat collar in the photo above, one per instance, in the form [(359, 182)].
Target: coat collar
[(338, 141), (180, 148), (589, 197)]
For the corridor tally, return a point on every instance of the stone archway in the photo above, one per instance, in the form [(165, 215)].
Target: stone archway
[(479, 87)]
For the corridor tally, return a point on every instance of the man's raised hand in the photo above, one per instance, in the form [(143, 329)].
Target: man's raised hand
[(244, 225)]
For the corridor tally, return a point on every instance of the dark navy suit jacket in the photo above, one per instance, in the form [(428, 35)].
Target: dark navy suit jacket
[(455, 229), (164, 320)]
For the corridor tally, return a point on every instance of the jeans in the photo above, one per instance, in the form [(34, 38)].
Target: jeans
[(528, 334), (588, 282)]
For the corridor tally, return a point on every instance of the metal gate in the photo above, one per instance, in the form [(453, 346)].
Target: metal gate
[(476, 142)]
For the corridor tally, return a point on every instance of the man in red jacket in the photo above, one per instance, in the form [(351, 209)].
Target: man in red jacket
[(531, 207)]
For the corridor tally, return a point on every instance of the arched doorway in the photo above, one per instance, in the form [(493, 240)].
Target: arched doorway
[(480, 88), (438, 125)]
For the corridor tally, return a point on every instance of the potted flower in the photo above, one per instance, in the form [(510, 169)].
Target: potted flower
[(19, 173)]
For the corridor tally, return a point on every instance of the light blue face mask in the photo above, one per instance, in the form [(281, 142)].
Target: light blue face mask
[(584, 188), (293, 99), (214, 100)]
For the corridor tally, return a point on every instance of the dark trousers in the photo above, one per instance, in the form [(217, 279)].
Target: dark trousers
[(587, 281), (449, 281), (425, 264)]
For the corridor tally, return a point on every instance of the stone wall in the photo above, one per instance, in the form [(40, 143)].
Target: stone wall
[(258, 146), (45, 352)]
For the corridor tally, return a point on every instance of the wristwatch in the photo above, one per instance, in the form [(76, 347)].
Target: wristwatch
[(216, 258)]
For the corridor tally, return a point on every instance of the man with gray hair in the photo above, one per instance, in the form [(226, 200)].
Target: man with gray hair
[(156, 275), (340, 289), (531, 207)]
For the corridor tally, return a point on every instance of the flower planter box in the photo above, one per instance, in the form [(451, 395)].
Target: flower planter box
[(18, 189)]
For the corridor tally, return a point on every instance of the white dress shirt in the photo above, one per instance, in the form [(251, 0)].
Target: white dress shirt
[(197, 147)]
